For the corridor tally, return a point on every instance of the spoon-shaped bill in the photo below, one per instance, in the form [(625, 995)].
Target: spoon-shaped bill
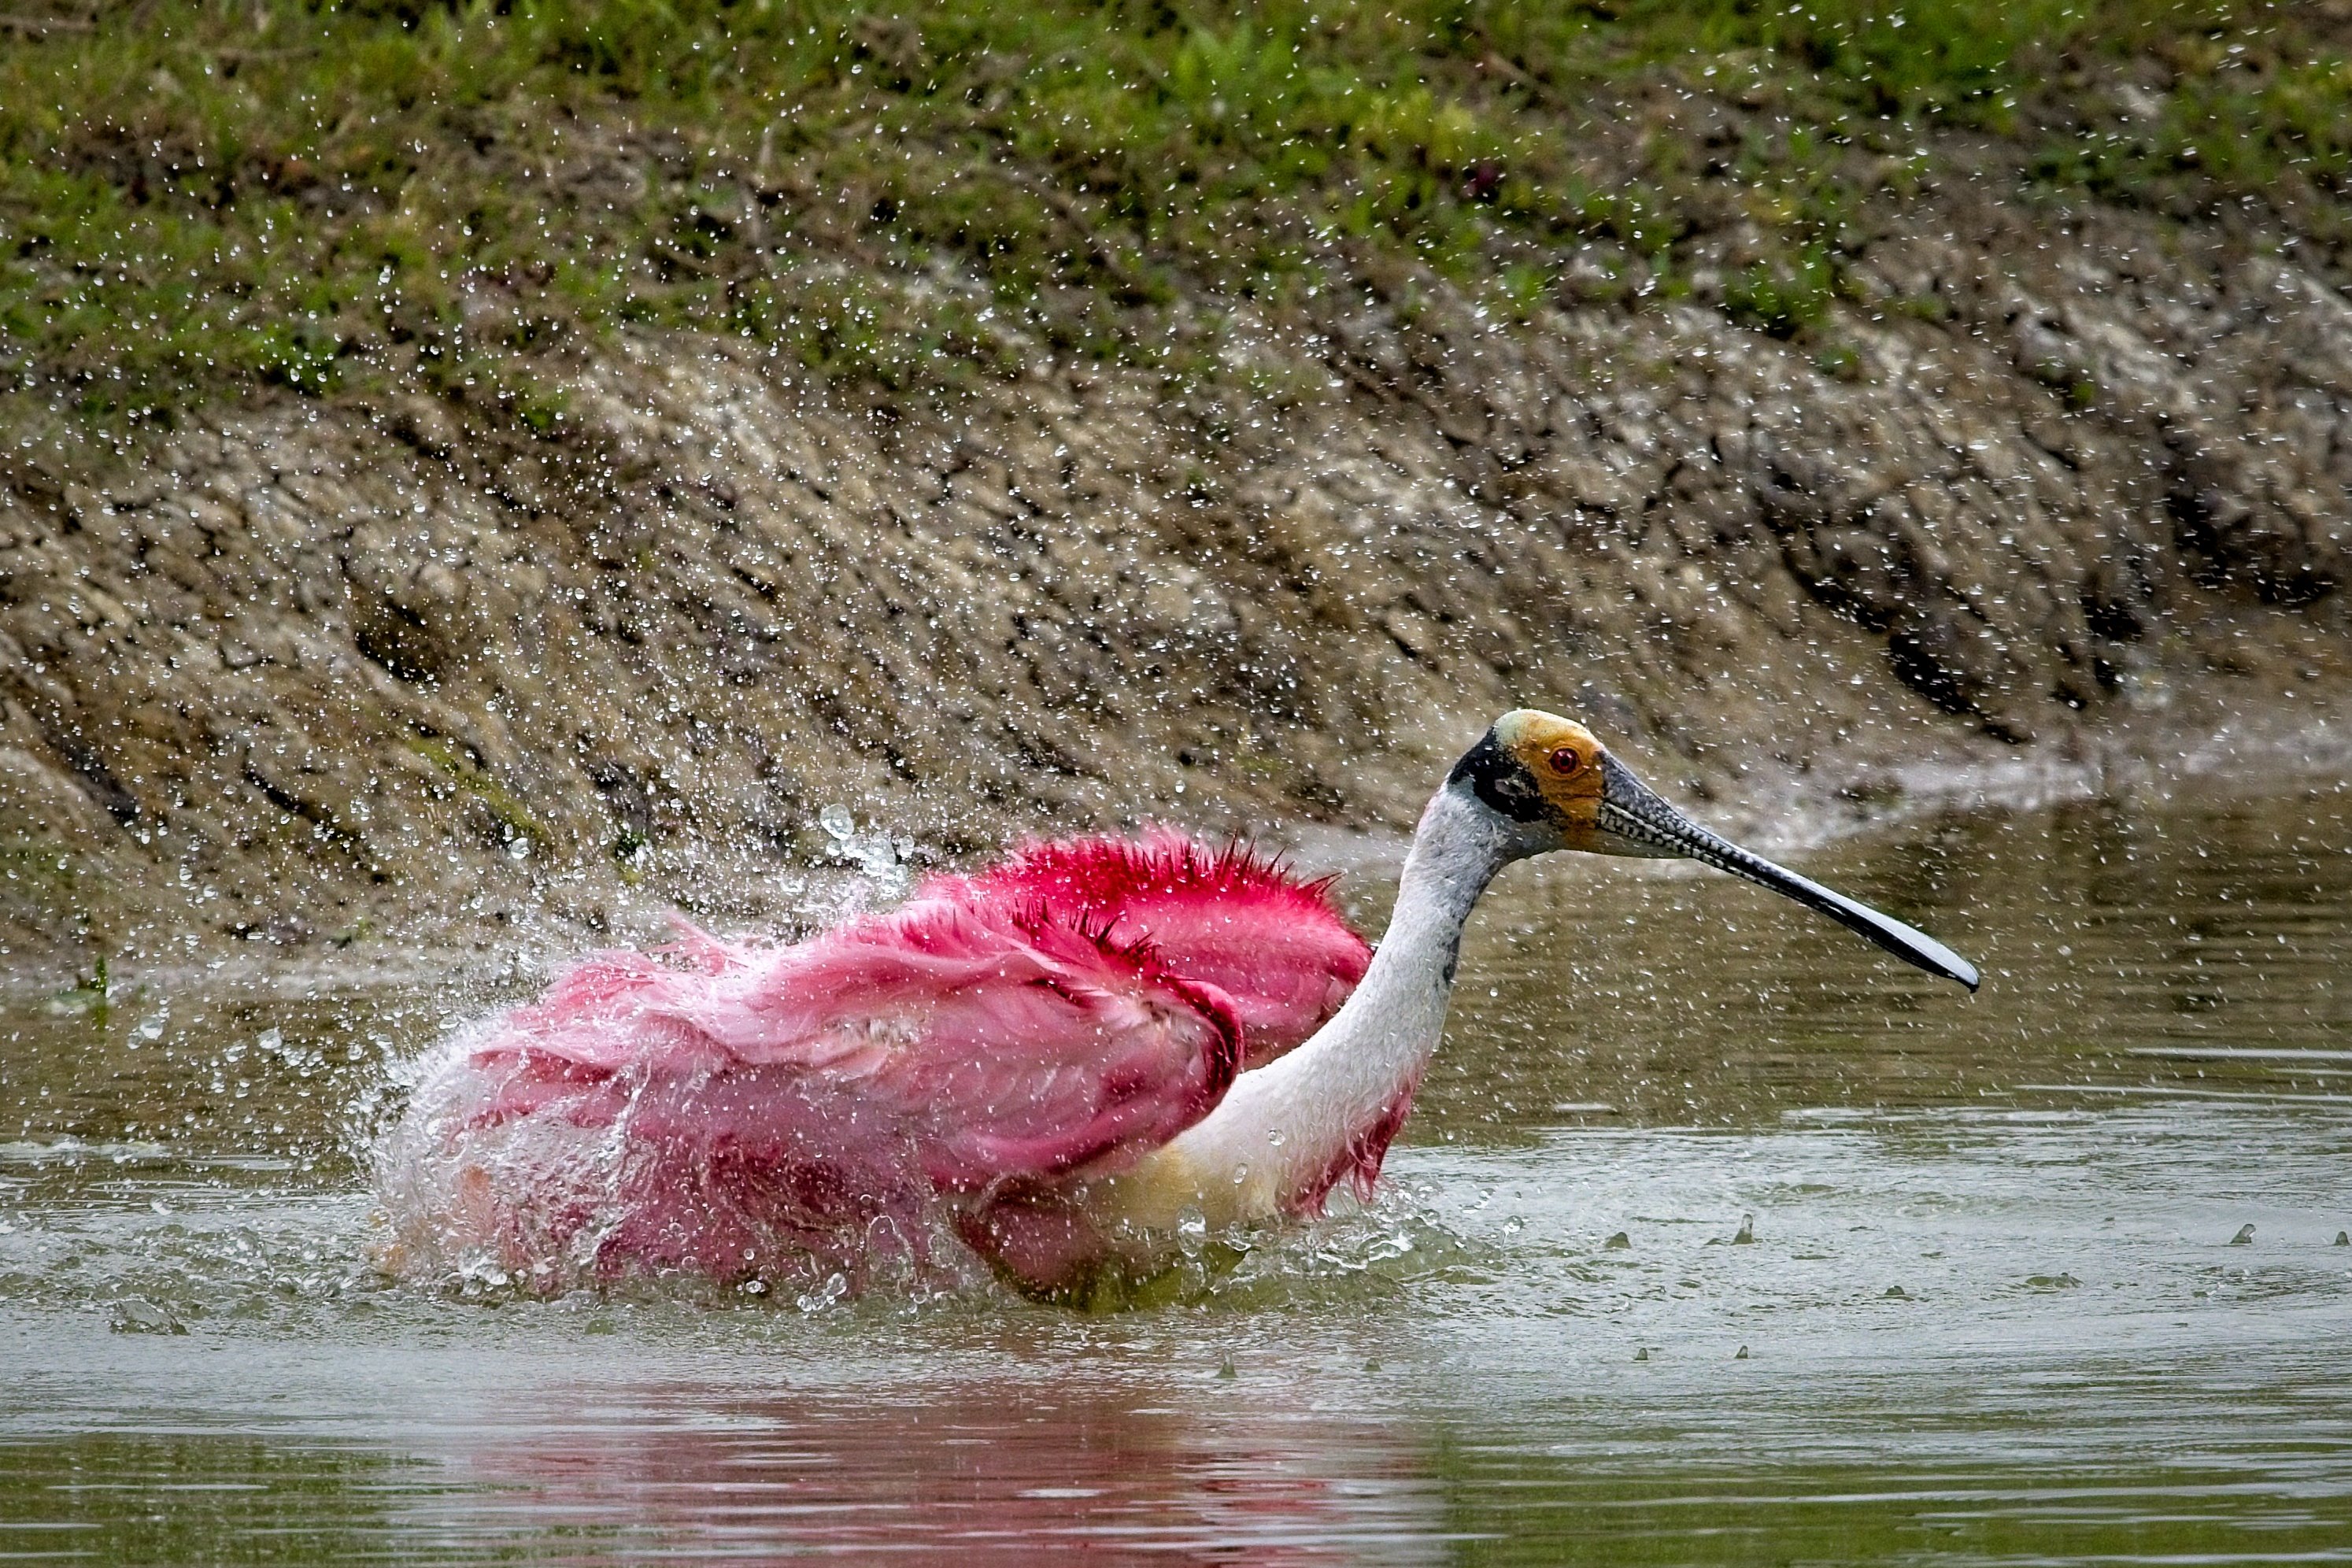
[(1636, 821)]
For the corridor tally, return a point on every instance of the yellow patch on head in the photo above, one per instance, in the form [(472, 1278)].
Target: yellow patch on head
[(1563, 759)]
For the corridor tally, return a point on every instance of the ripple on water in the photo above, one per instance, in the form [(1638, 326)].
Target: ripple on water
[(1987, 1292)]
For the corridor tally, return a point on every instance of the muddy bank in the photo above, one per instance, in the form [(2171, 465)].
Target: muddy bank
[(397, 669)]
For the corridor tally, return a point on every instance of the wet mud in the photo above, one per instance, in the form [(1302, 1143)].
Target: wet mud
[(2059, 489)]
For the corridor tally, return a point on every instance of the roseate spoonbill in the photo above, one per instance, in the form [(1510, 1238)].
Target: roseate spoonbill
[(1060, 1059)]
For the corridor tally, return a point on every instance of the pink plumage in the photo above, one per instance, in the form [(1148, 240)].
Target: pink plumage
[(742, 1107), (1226, 916)]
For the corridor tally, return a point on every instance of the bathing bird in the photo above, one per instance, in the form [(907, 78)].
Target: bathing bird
[(1059, 1063)]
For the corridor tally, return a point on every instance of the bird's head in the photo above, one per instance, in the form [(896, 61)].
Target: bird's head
[(1559, 788)]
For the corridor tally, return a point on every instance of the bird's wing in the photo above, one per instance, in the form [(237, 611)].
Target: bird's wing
[(977, 1041), (1226, 916), (1055, 1019)]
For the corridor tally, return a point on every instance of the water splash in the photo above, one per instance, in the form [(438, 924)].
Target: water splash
[(882, 860)]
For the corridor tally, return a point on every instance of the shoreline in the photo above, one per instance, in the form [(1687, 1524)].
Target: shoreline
[(2260, 761)]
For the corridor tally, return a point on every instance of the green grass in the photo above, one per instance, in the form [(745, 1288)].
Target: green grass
[(514, 818), (201, 199)]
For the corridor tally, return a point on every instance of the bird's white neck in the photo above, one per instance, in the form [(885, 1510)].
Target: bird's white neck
[(1285, 1133)]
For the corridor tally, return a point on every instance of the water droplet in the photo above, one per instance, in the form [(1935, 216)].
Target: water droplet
[(138, 1315), (833, 1289)]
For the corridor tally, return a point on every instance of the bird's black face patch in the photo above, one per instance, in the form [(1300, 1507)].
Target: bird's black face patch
[(1498, 778)]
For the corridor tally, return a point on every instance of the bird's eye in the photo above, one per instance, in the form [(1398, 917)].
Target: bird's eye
[(1565, 761)]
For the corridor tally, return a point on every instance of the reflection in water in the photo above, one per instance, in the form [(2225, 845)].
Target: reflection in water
[(971, 1471), (1991, 1296)]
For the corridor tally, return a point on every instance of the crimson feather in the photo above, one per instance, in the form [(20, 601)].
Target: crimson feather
[(1226, 915)]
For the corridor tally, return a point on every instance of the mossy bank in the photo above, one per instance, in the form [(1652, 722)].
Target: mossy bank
[(472, 472)]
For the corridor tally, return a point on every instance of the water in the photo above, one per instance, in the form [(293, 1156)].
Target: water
[(1991, 1307)]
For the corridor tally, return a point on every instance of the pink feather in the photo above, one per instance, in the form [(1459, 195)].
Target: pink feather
[(742, 1106), (1226, 916)]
